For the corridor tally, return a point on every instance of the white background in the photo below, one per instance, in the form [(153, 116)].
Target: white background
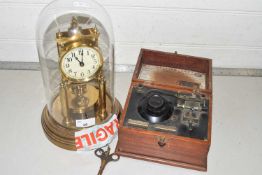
[(228, 31)]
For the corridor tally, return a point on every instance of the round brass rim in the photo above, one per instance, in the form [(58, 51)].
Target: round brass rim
[(61, 136), (87, 78)]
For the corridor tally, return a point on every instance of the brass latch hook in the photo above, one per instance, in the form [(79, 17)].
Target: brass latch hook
[(161, 141)]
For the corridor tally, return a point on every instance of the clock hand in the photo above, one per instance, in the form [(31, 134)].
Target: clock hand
[(81, 63), (82, 54), (77, 59)]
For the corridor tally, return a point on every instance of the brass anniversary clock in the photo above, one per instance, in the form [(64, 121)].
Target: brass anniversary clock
[(76, 53), (80, 61)]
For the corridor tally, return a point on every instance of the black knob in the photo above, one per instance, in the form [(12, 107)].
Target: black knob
[(155, 108), (156, 102)]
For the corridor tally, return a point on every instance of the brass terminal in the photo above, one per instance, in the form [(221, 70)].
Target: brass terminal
[(165, 128), (137, 123)]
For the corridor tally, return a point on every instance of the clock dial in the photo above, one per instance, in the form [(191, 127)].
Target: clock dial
[(81, 63)]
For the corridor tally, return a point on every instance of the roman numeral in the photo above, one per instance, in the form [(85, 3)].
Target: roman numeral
[(80, 52), (69, 59)]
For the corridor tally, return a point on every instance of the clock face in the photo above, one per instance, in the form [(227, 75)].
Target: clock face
[(81, 63)]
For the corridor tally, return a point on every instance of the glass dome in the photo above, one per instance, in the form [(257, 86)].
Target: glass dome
[(75, 45)]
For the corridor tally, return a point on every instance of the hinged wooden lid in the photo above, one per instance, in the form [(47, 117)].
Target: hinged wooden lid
[(174, 70)]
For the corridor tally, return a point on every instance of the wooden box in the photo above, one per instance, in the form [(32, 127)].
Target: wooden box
[(171, 72)]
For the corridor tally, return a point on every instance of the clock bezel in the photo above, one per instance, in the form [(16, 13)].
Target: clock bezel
[(93, 76)]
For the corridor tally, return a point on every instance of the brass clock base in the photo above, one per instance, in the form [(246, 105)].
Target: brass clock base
[(62, 136)]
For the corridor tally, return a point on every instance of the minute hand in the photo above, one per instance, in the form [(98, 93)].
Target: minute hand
[(82, 54)]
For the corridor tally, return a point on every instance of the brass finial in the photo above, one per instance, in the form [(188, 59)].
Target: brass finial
[(95, 29), (74, 27), (74, 22)]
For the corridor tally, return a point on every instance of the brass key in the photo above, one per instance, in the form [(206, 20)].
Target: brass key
[(105, 157)]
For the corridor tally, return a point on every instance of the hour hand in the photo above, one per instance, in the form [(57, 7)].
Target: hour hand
[(81, 63), (77, 59)]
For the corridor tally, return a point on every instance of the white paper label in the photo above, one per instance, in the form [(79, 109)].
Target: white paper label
[(97, 136), (85, 122)]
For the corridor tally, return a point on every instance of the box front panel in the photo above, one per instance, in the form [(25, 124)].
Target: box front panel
[(173, 149)]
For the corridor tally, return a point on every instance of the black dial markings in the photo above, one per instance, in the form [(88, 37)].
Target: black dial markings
[(81, 63), (81, 52), (69, 59), (95, 60)]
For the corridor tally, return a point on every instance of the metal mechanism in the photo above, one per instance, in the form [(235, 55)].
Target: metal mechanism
[(183, 114), (105, 157), (192, 108)]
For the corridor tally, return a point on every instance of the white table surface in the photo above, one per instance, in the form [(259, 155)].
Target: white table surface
[(236, 136)]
